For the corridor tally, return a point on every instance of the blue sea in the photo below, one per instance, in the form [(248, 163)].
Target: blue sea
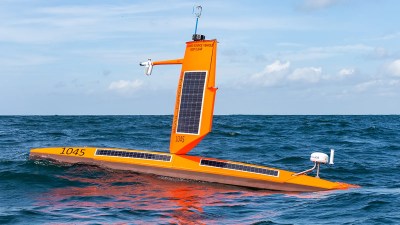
[(40, 192)]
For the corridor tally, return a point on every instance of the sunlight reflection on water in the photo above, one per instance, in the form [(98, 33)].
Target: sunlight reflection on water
[(121, 195)]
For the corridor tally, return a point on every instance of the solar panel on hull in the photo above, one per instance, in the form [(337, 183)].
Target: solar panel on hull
[(137, 155), (191, 104), (233, 166)]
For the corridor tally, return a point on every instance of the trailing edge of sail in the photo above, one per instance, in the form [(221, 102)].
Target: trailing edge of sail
[(195, 97)]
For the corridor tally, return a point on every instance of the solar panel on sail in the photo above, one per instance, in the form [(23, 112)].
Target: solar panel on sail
[(191, 104)]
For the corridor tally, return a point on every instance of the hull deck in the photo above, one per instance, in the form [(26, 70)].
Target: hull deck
[(188, 167)]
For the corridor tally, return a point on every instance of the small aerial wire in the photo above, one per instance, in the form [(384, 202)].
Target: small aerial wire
[(197, 12)]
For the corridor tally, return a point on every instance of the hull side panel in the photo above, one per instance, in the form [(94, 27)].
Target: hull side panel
[(187, 167)]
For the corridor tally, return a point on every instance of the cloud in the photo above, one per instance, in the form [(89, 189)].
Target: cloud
[(380, 53), (344, 48), (306, 74), (362, 87), (386, 83), (272, 74), (66, 23), (126, 86), (277, 67), (316, 53), (26, 60), (379, 86), (346, 72), (47, 23), (289, 44), (318, 4), (248, 23), (278, 73), (388, 36), (394, 68)]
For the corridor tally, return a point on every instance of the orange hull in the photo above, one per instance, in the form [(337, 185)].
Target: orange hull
[(189, 167)]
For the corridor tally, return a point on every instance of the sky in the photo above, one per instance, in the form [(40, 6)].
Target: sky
[(293, 57)]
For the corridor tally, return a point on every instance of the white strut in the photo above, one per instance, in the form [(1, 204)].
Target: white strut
[(148, 67), (317, 158)]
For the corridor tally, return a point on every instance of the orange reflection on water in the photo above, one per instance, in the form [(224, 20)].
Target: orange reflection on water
[(166, 200)]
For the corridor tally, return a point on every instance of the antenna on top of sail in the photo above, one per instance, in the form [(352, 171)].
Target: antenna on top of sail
[(197, 12)]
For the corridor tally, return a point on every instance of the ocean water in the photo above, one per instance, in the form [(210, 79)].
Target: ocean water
[(40, 192)]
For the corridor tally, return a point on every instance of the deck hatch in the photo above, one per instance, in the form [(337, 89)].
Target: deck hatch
[(233, 166), (136, 155), (191, 102)]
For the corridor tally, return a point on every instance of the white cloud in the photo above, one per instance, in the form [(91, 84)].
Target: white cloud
[(389, 36), (344, 48), (306, 74), (346, 72), (394, 83), (394, 68), (25, 60), (317, 53), (379, 86), (277, 67), (257, 23), (380, 53), (272, 74), (368, 85), (41, 24), (318, 4), (280, 73), (126, 86), (289, 44)]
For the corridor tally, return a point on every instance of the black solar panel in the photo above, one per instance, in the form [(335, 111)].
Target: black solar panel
[(191, 104), (232, 166), (137, 155)]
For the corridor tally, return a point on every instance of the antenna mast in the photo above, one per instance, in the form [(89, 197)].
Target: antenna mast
[(197, 12)]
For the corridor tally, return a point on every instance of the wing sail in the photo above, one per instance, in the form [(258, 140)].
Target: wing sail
[(194, 107)]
